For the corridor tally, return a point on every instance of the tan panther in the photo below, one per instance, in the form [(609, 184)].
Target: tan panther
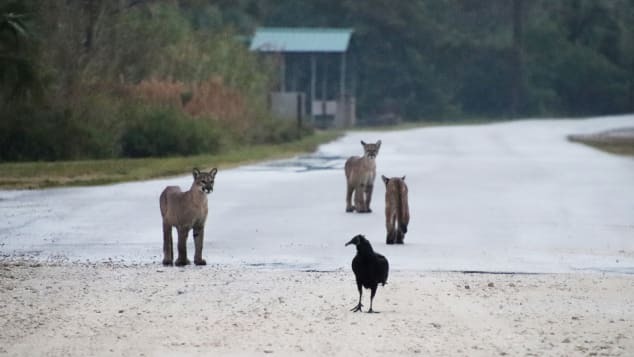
[(360, 173), (396, 209), (185, 211)]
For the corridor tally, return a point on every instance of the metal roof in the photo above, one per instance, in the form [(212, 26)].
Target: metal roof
[(302, 39)]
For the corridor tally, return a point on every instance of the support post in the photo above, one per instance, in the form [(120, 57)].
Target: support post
[(282, 73), (313, 71), (324, 83), (300, 114), (342, 77)]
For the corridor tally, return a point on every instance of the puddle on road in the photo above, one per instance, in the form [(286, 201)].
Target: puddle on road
[(303, 163)]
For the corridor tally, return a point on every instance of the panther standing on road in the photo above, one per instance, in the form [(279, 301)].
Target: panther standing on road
[(185, 211), (360, 174), (396, 209)]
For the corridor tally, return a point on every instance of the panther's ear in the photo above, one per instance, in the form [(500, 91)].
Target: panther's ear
[(195, 172), (378, 144), (385, 179), (403, 178), (362, 142), (213, 172)]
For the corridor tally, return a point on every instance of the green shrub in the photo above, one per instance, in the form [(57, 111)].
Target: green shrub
[(168, 132), (88, 127), (28, 134), (21, 136), (98, 118)]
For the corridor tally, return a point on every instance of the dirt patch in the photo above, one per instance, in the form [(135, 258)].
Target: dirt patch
[(136, 310)]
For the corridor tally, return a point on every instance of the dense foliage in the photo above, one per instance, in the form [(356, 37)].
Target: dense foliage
[(457, 58), (102, 78)]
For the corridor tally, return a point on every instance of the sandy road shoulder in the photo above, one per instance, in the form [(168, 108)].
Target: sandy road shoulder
[(151, 310)]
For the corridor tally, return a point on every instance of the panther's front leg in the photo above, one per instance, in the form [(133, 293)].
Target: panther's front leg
[(199, 234), (168, 252), (359, 199), (349, 191), (182, 247), (368, 197)]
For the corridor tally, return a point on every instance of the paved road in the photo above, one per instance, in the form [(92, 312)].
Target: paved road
[(505, 197)]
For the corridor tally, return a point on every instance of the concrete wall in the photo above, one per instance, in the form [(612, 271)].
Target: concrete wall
[(346, 114), (288, 105), (339, 114)]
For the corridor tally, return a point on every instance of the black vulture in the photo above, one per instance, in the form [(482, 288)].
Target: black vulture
[(369, 268)]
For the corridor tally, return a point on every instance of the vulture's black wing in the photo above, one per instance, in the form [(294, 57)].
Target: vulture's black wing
[(356, 266), (382, 269)]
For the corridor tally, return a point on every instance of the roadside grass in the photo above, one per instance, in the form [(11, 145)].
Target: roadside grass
[(619, 148), (34, 175), (619, 145)]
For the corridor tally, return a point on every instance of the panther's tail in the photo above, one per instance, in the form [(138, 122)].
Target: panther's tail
[(403, 206)]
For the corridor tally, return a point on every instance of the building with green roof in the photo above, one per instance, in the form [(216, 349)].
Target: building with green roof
[(306, 58)]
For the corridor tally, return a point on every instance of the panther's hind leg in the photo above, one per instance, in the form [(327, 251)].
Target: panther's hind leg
[(388, 239), (389, 227)]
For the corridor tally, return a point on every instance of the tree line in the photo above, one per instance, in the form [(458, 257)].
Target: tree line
[(429, 60), (129, 78)]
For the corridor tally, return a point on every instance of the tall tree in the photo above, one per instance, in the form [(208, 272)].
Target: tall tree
[(17, 72), (518, 94)]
